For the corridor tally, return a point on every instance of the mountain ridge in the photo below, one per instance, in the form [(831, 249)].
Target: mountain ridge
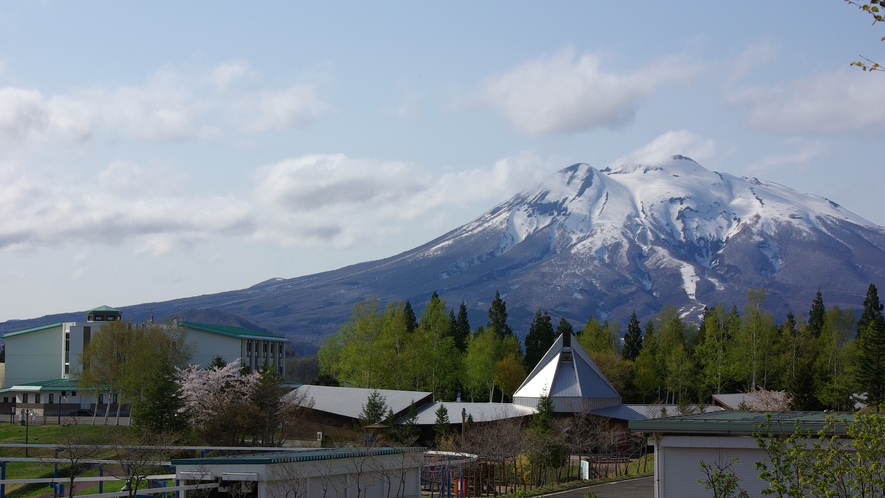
[(597, 243)]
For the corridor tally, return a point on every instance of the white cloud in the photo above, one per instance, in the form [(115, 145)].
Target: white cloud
[(565, 93), (837, 103), (759, 54), (667, 145), (170, 106), (54, 212), (336, 200), (309, 201)]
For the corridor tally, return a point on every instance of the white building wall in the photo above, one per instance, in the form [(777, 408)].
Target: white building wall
[(35, 356), (209, 345), (677, 464)]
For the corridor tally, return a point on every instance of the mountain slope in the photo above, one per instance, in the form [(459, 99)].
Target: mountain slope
[(598, 243)]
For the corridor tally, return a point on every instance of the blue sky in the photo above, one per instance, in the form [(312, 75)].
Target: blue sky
[(160, 150)]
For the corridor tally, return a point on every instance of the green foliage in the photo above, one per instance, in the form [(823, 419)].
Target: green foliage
[(871, 362), (160, 408), (872, 309), (479, 364), (597, 337), (722, 480), (817, 315), (509, 374), (498, 317), (442, 425), (872, 8), (375, 411), (825, 463), (271, 410), (632, 339), (539, 339)]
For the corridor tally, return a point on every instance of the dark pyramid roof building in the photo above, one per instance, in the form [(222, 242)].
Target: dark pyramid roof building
[(571, 379)]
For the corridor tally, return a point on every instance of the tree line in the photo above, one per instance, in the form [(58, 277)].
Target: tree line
[(823, 361)]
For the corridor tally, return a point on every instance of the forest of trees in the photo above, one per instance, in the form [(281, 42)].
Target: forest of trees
[(822, 358)]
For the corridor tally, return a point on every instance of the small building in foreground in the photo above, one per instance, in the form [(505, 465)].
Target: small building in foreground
[(682, 442), (364, 472)]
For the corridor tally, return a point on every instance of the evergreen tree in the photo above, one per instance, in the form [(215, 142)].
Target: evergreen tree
[(871, 362), (632, 339), (564, 329), (408, 432), (442, 425), (267, 397), (498, 317), (411, 320), (460, 327), (160, 409), (539, 339), (872, 308), (817, 315), (375, 411), (801, 387)]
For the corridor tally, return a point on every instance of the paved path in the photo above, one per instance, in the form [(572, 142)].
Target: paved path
[(633, 488)]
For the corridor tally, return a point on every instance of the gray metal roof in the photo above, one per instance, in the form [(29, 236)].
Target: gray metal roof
[(567, 374), (307, 454), (739, 422), (349, 401), (481, 412), (733, 401), (645, 412)]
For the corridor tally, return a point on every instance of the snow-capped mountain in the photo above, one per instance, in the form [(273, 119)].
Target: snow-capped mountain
[(601, 243)]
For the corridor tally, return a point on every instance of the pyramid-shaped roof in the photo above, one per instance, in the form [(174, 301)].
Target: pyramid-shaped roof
[(570, 377)]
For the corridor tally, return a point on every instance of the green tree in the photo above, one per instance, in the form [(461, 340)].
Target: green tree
[(122, 358), (360, 346), (509, 374), (715, 352), (160, 410), (539, 339), (436, 358), (375, 411), (872, 308), (755, 339), (460, 327), (871, 362), (441, 426), (411, 319), (632, 339), (271, 410), (597, 337), (817, 315), (498, 317), (479, 364)]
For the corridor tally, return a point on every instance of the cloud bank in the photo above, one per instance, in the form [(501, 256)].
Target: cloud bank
[(567, 93)]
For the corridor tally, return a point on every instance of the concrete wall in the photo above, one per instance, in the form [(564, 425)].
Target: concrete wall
[(209, 345), (35, 356)]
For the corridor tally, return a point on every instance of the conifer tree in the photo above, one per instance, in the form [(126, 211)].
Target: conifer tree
[(460, 327), (539, 339), (872, 308), (411, 320), (442, 425), (564, 329), (498, 317), (817, 315), (632, 339), (871, 362)]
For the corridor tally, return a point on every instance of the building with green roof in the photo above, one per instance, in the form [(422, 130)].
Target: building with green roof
[(40, 361)]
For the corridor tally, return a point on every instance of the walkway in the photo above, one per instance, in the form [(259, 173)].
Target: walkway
[(632, 488)]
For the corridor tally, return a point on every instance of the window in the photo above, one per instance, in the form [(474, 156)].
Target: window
[(248, 346), (6, 399), (64, 393), (51, 398), (87, 335), (114, 399), (37, 398), (24, 397), (73, 393), (101, 399)]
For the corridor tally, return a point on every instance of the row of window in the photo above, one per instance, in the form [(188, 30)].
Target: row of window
[(38, 397)]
